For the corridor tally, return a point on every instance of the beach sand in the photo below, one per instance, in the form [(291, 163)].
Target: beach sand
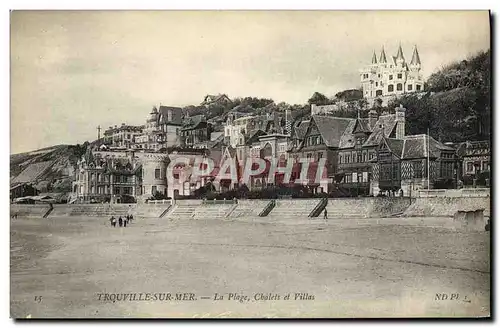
[(60, 267)]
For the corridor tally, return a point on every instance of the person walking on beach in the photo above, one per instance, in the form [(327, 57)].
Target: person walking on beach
[(125, 223), (113, 221), (120, 221), (326, 215)]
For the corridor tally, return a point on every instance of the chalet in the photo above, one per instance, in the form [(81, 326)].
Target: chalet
[(162, 129), (220, 99), (475, 157), (403, 164), (122, 137), (103, 178), (349, 146), (195, 132)]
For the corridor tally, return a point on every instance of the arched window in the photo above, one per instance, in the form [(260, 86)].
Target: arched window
[(378, 93), (390, 88), (399, 87)]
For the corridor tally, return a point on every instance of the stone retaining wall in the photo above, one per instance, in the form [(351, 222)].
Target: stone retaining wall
[(447, 206)]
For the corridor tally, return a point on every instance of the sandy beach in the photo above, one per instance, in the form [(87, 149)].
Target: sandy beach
[(83, 268)]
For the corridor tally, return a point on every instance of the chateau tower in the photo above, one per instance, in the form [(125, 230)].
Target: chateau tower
[(385, 79)]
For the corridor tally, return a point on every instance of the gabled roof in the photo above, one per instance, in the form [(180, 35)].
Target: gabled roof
[(252, 135), (332, 128), (216, 135), (215, 98), (194, 122), (348, 140), (395, 145), (299, 129), (383, 128), (362, 125), (176, 115), (415, 146)]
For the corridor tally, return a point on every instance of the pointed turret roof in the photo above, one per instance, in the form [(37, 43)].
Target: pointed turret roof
[(383, 59), (374, 58), (415, 59), (400, 54)]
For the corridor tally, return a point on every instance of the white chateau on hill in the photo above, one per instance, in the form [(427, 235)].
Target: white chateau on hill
[(385, 79)]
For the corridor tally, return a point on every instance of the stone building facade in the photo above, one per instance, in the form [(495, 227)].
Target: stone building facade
[(385, 78), (107, 177), (122, 137), (162, 129)]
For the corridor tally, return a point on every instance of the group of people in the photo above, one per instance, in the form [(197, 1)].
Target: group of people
[(122, 222)]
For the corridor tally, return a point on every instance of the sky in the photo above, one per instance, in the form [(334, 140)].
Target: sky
[(73, 71)]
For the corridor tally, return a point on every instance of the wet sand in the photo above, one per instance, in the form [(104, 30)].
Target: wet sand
[(339, 268)]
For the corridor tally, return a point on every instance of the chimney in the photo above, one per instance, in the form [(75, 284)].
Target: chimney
[(400, 122), (288, 122), (372, 117)]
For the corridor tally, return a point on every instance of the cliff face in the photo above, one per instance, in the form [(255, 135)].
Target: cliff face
[(49, 170)]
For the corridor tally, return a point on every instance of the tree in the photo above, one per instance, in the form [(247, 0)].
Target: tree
[(319, 99), (457, 106)]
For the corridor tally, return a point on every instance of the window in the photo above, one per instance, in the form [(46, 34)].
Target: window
[(169, 115), (340, 159), (486, 166), (376, 84), (320, 155), (364, 157), (410, 87), (469, 167), (418, 87), (176, 176), (399, 87), (390, 77), (379, 75), (309, 156), (390, 88), (359, 157), (378, 93), (157, 174), (153, 190), (400, 76), (417, 170)]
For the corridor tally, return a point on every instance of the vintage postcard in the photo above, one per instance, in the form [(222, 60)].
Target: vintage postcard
[(250, 164)]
